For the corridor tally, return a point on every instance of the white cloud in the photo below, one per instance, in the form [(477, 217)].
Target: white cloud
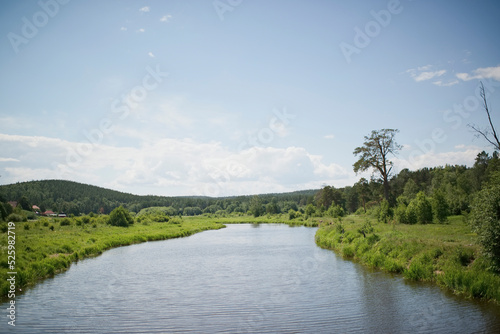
[(144, 9), (481, 73), (428, 75), (166, 18), (445, 84), (123, 29), (167, 166), (416, 159), (330, 136), (424, 68), (423, 73), (141, 30), (151, 54), (9, 160)]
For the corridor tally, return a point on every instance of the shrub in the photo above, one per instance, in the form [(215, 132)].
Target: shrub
[(366, 228), (400, 214), (291, 214), (336, 211), (411, 213), (485, 221), (424, 208), (310, 210), (440, 207), (16, 218), (385, 213), (120, 217), (65, 222)]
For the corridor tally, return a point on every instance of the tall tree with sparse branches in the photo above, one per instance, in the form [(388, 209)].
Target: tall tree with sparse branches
[(375, 154), (489, 134)]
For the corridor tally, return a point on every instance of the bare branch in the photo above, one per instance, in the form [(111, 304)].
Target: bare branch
[(495, 142)]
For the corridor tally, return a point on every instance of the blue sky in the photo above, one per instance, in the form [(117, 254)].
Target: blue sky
[(238, 97)]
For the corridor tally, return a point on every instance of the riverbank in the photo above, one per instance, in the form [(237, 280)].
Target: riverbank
[(446, 254), (267, 219), (46, 247)]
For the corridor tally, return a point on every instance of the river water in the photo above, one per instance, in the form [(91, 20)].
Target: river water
[(244, 278)]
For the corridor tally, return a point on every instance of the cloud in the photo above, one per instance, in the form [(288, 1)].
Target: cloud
[(422, 76), (9, 160), (445, 84), (145, 9), (462, 155), (166, 18), (123, 29), (423, 73), (151, 54), (141, 30), (330, 136), (481, 73), (167, 166), (424, 68)]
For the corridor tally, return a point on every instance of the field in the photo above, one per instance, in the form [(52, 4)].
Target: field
[(446, 254)]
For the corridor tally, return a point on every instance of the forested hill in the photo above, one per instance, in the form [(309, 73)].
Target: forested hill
[(73, 197)]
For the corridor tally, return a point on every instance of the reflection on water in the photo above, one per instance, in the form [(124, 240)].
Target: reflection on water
[(245, 278)]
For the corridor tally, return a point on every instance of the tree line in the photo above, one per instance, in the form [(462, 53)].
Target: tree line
[(77, 199)]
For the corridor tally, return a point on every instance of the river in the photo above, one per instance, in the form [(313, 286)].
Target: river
[(245, 278)]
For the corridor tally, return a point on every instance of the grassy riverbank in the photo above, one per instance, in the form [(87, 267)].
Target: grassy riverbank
[(447, 254), (48, 246), (267, 219)]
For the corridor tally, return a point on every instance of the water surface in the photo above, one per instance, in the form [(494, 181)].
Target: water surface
[(244, 278)]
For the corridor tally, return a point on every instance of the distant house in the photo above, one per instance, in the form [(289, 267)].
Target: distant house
[(62, 215), (35, 208), (13, 203), (49, 213)]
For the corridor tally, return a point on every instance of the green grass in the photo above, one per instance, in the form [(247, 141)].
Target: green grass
[(266, 219), (42, 252), (447, 254)]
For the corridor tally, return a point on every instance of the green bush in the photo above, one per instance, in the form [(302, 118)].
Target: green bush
[(366, 228), (440, 207), (385, 213), (411, 213), (16, 218), (120, 217), (400, 214), (65, 222), (336, 211), (424, 208), (485, 221)]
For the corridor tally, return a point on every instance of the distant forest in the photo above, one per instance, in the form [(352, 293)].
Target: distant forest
[(456, 184), (77, 198)]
